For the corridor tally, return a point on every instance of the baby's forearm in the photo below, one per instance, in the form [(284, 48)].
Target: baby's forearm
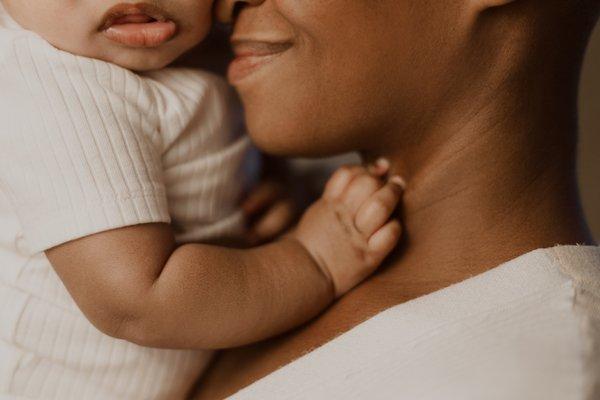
[(134, 283), (210, 297)]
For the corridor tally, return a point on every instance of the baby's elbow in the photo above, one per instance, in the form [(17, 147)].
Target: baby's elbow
[(110, 325), (139, 331), (123, 320), (139, 327), (114, 322)]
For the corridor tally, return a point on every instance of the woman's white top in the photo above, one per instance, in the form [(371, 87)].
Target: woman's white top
[(526, 330), (85, 147)]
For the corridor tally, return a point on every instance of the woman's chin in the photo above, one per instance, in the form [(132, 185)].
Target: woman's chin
[(294, 142), (273, 144)]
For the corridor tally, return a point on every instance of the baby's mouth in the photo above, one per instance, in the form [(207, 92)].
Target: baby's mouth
[(138, 26)]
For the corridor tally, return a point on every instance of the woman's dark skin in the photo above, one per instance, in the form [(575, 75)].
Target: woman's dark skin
[(474, 102)]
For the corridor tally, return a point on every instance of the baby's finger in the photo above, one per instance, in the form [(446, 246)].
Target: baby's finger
[(340, 180), (359, 190), (384, 241), (261, 198), (276, 221), (378, 209), (379, 168)]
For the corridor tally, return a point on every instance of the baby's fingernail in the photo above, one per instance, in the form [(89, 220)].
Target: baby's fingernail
[(398, 180), (382, 163)]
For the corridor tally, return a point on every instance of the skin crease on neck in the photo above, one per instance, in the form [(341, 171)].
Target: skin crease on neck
[(490, 169)]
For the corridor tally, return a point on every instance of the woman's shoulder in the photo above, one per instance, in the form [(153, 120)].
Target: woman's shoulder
[(581, 264), (526, 329)]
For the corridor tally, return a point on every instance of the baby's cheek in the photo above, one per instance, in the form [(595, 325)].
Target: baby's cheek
[(201, 13), (199, 21)]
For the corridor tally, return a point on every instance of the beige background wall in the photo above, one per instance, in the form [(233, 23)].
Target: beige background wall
[(589, 165)]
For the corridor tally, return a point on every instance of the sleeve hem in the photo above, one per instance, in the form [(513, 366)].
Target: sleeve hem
[(44, 232)]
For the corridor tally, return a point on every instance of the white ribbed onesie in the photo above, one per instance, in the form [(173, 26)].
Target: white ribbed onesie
[(87, 146)]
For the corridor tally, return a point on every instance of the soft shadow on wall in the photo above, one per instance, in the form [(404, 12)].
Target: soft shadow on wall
[(589, 145)]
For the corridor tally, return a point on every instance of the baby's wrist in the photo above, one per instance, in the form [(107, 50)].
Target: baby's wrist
[(318, 263)]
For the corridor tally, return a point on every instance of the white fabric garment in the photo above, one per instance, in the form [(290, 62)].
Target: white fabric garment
[(526, 330), (87, 146)]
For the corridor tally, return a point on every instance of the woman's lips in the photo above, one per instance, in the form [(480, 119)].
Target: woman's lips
[(139, 25), (251, 55)]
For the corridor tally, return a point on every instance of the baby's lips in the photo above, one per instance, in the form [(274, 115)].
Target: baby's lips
[(142, 35)]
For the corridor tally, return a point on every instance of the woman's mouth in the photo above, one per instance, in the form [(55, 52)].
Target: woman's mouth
[(139, 25), (251, 55)]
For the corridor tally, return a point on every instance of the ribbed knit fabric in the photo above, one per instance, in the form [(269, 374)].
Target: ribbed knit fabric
[(526, 330), (87, 146)]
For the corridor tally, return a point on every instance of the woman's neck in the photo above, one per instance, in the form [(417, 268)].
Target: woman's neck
[(492, 187)]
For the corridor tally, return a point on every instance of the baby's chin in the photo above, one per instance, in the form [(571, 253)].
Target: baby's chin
[(142, 60)]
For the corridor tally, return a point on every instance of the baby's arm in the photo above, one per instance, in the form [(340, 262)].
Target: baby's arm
[(138, 286), (84, 175)]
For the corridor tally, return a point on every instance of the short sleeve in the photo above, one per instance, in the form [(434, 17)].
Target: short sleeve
[(80, 145)]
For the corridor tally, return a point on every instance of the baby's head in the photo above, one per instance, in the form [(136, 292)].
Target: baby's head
[(136, 35)]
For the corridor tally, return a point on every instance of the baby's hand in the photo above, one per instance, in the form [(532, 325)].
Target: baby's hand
[(350, 230), (269, 210)]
